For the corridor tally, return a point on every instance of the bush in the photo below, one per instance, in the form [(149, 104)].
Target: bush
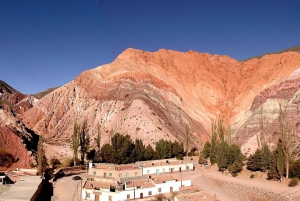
[(54, 162), (294, 182), (252, 176), (6, 158), (234, 174), (69, 162), (179, 157)]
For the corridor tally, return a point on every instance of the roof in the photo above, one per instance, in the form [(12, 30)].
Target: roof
[(96, 185), (160, 163), (191, 193), (23, 189), (133, 178), (162, 178), (116, 167), (143, 183)]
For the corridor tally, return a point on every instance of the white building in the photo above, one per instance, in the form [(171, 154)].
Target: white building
[(134, 189), (165, 166)]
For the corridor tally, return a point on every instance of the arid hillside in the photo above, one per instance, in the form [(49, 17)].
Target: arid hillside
[(14, 136), (154, 95)]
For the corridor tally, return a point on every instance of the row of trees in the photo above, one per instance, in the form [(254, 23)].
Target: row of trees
[(273, 162), (276, 162), (123, 150), (219, 150)]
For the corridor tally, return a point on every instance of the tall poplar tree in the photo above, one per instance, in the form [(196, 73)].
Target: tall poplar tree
[(287, 136), (187, 139), (280, 159), (75, 141), (84, 140)]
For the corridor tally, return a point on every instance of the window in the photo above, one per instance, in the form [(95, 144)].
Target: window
[(150, 193), (148, 171), (120, 175), (127, 175), (109, 198), (88, 195), (95, 173), (187, 167), (128, 196), (136, 173), (110, 174), (163, 169), (159, 190)]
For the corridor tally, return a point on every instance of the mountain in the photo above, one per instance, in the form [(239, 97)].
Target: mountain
[(154, 95), (15, 137), (292, 49), (44, 93)]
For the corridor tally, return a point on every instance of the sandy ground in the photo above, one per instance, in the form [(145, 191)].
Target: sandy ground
[(66, 189), (243, 178)]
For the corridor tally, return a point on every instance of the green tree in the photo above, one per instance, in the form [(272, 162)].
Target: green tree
[(106, 153), (273, 172), (98, 139), (41, 157), (149, 152), (280, 159), (75, 141), (84, 140), (122, 148), (254, 161), (265, 157), (223, 156), (295, 169), (206, 149), (177, 148), (214, 144), (138, 152), (187, 139)]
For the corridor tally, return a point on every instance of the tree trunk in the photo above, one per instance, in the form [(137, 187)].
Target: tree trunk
[(82, 157), (287, 166)]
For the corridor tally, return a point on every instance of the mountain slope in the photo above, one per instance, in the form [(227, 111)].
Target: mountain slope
[(14, 136), (155, 95)]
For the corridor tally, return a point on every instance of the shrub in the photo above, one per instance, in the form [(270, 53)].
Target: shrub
[(32, 164), (252, 176), (6, 158), (234, 174), (69, 162), (294, 182), (54, 162), (179, 157)]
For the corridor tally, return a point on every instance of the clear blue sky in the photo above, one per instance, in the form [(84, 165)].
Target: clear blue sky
[(47, 43)]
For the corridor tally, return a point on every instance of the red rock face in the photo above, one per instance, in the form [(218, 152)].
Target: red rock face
[(14, 136), (155, 95)]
